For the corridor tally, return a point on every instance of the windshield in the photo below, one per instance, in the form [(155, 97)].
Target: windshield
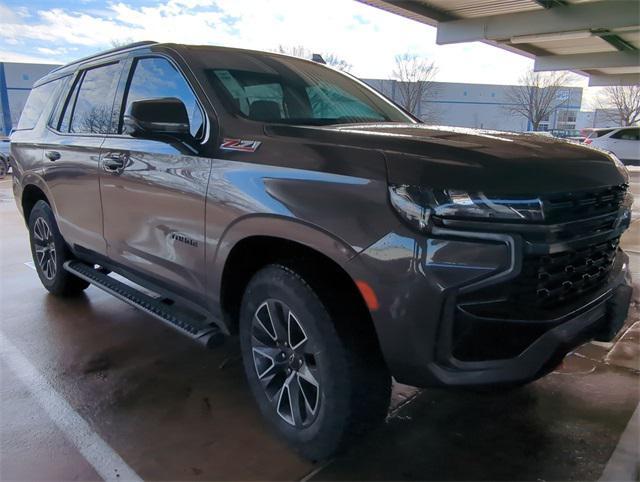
[(278, 89)]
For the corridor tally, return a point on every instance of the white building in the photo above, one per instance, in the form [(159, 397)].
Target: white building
[(598, 118), (456, 104), (16, 80), (483, 106)]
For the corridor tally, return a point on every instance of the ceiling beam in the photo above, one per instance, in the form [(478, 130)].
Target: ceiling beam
[(628, 58), (601, 80), (412, 10), (565, 18), (550, 3), (617, 42)]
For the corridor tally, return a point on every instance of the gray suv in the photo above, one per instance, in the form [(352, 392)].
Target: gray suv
[(342, 240)]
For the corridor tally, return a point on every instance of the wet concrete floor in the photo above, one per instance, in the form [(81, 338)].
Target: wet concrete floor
[(173, 410)]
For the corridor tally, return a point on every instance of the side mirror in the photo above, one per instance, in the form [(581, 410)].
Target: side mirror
[(157, 117)]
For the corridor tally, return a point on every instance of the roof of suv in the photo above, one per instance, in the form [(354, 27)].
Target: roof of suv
[(63, 68), (72, 66)]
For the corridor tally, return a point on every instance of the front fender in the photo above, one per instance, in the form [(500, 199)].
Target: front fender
[(274, 226)]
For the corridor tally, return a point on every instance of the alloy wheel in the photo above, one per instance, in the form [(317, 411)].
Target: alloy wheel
[(286, 363), (45, 248)]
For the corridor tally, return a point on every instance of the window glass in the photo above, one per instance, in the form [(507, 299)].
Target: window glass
[(155, 78), (286, 90), (267, 98), (601, 133), (94, 101), (328, 101), (62, 122), (567, 116), (36, 103), (627, 134)]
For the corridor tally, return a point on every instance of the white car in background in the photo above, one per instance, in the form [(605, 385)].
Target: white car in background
[(624, 142)]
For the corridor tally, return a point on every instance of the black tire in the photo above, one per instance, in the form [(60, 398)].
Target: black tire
[(50, 252), (4, 167), (352, 385)]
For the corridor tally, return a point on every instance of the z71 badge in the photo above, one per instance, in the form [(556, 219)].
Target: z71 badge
[(239, 145)]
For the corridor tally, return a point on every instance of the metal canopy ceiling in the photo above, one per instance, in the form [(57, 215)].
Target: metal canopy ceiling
[(597, 38)]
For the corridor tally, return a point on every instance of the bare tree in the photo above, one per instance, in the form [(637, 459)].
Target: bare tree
[(621, 104), (415, 80), (96, 120), (294, 50), (537, 95), (336, 62), (116, 43), (304, 53)]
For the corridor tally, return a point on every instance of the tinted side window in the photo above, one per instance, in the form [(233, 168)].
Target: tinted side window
[(155, 78), (627, 134), (36, 103), (61, 119), (603, 133), (94, 101)]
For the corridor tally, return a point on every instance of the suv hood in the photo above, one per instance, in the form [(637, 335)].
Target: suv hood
[(460, 158)]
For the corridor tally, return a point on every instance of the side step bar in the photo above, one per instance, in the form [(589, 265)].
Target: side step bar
[(202, 331)]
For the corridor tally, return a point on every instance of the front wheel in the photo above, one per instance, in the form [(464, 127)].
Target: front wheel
[(313, 385), (50, 252)]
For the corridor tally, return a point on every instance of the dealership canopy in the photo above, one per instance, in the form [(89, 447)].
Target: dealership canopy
[(600, 39)]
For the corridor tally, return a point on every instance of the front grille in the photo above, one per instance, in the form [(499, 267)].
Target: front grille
[(559, 270), (583, 204), (550, 280)]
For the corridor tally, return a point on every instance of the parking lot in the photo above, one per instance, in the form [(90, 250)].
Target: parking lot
[(93, 388)]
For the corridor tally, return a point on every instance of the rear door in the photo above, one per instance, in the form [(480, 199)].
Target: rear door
[(154, 205), (72, 145)]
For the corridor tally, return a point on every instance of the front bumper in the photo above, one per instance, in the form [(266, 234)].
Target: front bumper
[(601, 318), (420, 282)]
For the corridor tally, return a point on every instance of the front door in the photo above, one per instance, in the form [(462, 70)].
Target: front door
[(154, 190)]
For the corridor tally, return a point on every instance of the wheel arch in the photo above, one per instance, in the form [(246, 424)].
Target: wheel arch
[(31, 194), (318, 254)]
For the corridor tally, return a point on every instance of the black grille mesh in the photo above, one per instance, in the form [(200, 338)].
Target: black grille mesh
[(549, 280), (549, 284), (586, 204)]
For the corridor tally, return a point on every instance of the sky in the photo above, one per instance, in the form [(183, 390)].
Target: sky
[(58, 31)]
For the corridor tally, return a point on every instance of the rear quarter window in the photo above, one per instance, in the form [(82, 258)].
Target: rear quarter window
[(37, 102), (632, 134)]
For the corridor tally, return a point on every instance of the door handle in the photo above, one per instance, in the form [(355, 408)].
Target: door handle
[(52, 155), (113, 163)]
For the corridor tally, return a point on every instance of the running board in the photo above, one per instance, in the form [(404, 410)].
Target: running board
[(203, 331)]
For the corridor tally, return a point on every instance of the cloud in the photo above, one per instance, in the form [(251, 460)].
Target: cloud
[(10, 56), (57, 51), (366, 37)]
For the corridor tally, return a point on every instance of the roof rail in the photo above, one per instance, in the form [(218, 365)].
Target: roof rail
[(110, 51)]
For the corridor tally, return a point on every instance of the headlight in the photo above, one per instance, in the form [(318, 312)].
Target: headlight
[(419, 204)]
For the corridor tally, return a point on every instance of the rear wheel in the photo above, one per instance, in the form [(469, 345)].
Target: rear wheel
[(312, 384), (50, 252)]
